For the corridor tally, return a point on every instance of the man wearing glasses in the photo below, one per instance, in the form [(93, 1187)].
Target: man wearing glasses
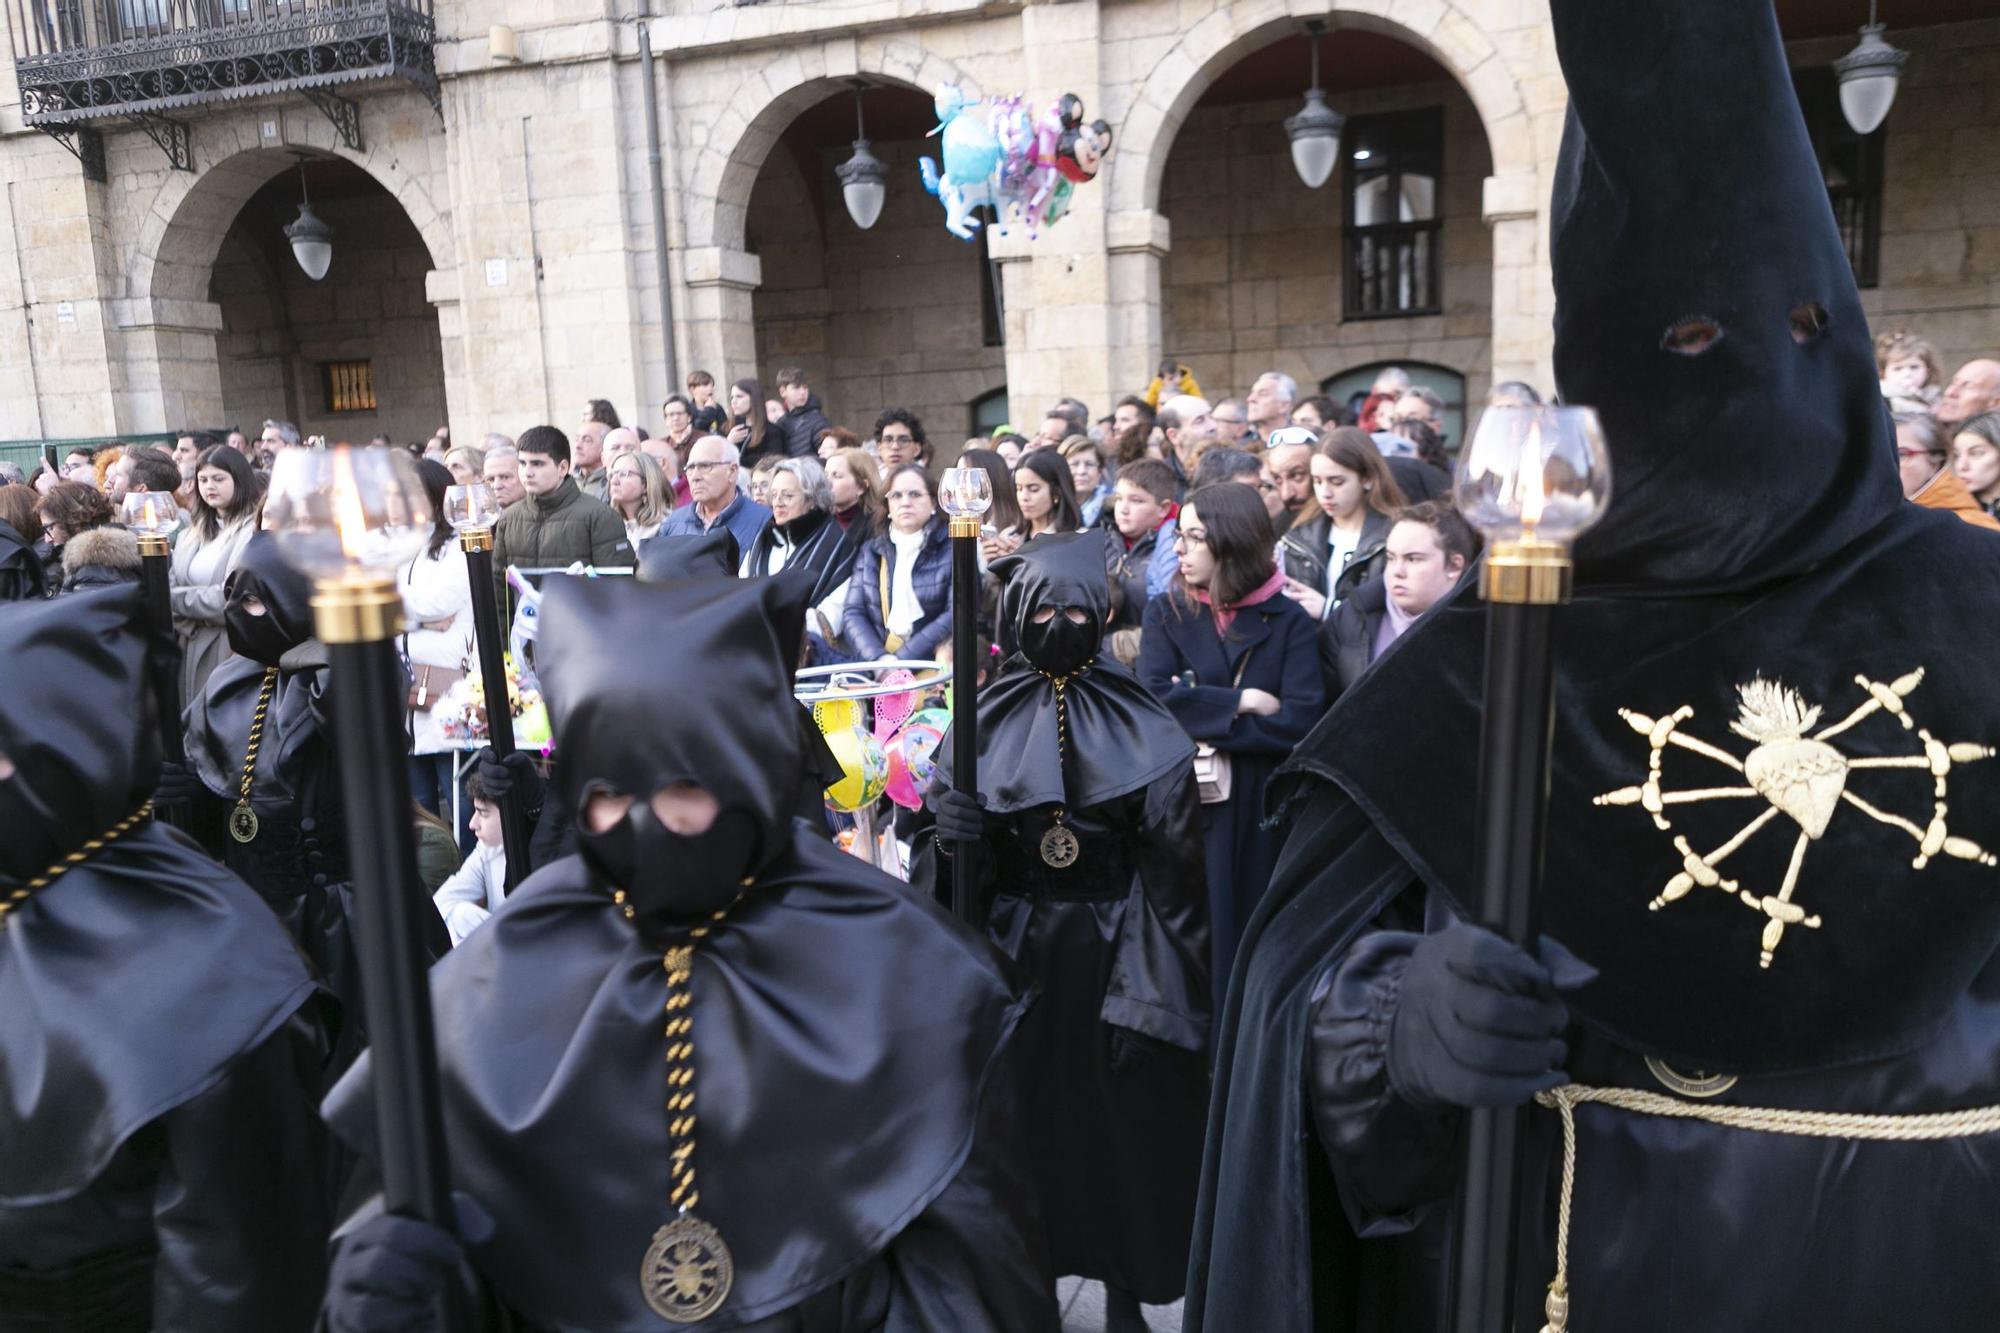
[(899, 439), (712, 470)]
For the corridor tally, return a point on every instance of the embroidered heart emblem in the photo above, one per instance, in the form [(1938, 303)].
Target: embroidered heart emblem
[(1802, 778)]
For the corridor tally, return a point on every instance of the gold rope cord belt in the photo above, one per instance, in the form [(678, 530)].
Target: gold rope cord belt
[(1968, 1123)]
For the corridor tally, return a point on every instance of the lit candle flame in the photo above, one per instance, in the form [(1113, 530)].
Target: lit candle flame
[(350, 519), (1529, 480)]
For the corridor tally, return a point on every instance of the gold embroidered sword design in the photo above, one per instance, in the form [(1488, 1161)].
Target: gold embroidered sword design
[(1798, 775)]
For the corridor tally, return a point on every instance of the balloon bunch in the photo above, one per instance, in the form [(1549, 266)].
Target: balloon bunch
[(1022, 166)]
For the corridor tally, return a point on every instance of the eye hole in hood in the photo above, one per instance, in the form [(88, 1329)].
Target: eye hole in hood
[(1808, 322), (1691, 337)]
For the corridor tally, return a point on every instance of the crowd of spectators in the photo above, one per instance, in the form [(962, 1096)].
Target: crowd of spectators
[(1261, 550)]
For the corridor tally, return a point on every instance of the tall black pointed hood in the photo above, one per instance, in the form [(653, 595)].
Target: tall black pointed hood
[(74, 722), (1119, 738), (1756, 549), (617, 656), (1705, 305)]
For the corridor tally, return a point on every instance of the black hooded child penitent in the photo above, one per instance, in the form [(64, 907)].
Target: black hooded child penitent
[(1804, 898), (1115, 943), (855, 1146)]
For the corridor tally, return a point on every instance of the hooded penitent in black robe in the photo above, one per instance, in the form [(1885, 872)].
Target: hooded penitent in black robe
[(1113, 1054), (856, 1145), (159, 1045), (297, 861), (1759, 568)]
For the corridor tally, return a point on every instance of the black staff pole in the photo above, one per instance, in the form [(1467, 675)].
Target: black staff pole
[(477, 543), (348, 516), (965, 701), (358, 616)]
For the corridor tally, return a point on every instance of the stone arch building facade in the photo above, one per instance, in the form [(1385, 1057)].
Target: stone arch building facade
[(529, 183)]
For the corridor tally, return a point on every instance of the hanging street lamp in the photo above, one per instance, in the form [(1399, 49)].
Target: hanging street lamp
[(1868, 76), (1315, 130), (863, 177), (312, 239)]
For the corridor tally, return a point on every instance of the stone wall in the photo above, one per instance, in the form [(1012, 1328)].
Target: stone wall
[(1253, 282), (1940, 262), (888, 317)]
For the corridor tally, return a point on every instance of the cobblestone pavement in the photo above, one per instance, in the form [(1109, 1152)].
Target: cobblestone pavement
[(1083, 1309)]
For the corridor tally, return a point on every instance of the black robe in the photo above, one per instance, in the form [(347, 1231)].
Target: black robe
[(298, 862), (860, 1151), (1112, 1056), (1759, 589), (160, 1040)]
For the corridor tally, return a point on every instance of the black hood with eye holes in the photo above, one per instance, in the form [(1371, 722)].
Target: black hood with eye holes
[(1756, 531), (1689, 207), (684, 681), (1119, 737)]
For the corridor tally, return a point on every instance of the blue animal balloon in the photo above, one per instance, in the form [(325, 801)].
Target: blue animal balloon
[(971, 161)]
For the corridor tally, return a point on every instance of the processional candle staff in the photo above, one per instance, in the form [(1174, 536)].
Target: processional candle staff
[(1531, 480), (472, 511), (350, 517), (966, 493), (152, 516)]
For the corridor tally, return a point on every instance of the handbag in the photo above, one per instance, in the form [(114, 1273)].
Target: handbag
[(1213, 777), (429, 683)]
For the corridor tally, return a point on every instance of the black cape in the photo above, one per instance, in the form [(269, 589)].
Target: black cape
[(1111, 1057), (140, 984), (845, 1034), (1706, 309)]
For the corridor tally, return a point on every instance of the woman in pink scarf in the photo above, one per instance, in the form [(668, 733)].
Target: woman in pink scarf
[(1237, 665)]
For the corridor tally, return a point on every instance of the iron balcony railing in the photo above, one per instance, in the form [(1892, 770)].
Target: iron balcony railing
[(80, 60)]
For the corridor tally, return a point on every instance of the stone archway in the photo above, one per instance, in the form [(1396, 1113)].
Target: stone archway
[(721, 155), (1454, 33), (166, 319), (1439, 28)]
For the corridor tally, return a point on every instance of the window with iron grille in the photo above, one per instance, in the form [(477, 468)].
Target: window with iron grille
[(1392, 228), (349, 385), (1852, 166)]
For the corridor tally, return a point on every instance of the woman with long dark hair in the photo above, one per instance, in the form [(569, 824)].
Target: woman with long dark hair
[(748, 426), (437, 643), (1004, 514), (1047, 494), (1237, 664), (1334, 552), (899, 601), (226, 503)]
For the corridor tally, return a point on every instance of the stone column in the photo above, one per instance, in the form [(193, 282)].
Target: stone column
[(1523, 293), (1060, 312), (166, 373), (716, 324), (1137, 241)]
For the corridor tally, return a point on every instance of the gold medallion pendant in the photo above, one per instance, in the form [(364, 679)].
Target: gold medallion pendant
[(687, 1272), (1059, 846), (243, 822)]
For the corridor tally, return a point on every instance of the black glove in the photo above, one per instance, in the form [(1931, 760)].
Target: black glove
[(178, 785), (516, 773), (1478, 1021), (388, 1271), (959, 818)]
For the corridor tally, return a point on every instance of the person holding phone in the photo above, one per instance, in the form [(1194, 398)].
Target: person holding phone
[(748, 427)]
